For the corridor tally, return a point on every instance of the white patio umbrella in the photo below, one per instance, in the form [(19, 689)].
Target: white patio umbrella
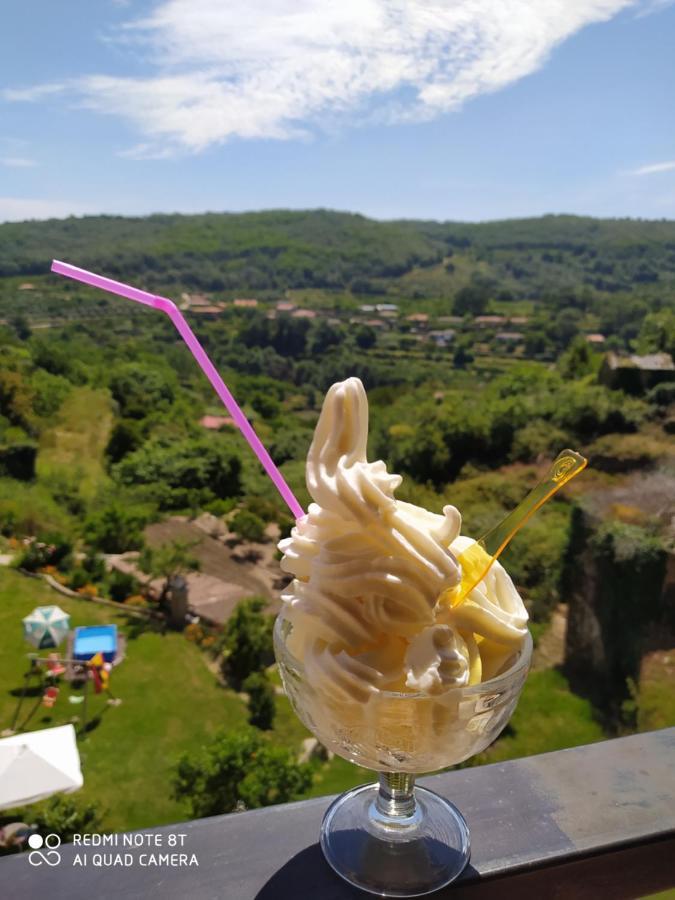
[(46, 626), (38, 764)]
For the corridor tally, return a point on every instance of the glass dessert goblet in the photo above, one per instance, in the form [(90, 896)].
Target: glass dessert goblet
[(393, 838)]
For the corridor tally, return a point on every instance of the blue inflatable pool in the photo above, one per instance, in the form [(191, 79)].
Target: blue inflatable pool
[(92, 639)]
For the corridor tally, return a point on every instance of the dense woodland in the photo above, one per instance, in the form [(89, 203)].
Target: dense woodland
[(100, 403), (339, 251)]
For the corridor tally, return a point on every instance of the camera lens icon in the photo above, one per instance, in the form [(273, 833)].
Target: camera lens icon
[(49, 855)]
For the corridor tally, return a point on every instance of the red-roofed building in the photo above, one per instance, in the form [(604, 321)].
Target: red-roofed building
[(304, 314), (595, 338), (215, 422), (245, 302), (285, 306)]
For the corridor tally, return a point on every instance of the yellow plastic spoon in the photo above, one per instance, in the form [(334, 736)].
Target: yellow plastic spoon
[(477, 559)]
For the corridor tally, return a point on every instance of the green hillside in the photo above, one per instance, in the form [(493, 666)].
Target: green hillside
[(341, 251)]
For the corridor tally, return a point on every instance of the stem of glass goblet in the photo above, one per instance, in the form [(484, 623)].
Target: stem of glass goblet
[(396, 797)]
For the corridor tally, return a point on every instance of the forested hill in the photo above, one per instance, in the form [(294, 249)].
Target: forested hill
[(340, 251)]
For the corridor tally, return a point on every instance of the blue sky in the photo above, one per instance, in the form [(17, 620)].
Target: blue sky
[(445, 109)]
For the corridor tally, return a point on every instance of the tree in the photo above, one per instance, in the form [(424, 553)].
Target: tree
[(462, 357), (56, 356), (21, 327), (289, 443), (322, 336), (247, 526), (49, 392), (420, 451), (256, 331), (537, 342), (124, 438), (16, 398), (472, 299), (261, 706), (592, 410), (235, 769), (168, 561), (565, 327), (290, 335), (247, 640), (95, 567), (141, 389), (265, 404), (657, 333), (181, 474), (18, 460), (114, 530), (365, 337), (578, 360)]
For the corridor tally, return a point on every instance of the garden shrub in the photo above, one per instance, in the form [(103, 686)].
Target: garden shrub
[(239, 769), (261, 704), (122, 585), (247, 526)]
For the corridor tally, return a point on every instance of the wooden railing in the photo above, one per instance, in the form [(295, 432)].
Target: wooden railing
[(592, 822)]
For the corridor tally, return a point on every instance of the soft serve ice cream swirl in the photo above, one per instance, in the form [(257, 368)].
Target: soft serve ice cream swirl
[(368, 574)]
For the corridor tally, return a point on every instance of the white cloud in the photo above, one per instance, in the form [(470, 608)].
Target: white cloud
[(653, 168), (17, 162), (33, 93), (18, 209), (147, 151), (276, 68), (653, 6)]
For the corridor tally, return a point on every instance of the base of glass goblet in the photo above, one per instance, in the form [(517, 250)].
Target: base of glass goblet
[(413, 856)]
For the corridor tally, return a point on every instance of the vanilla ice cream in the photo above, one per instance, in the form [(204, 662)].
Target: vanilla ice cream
[(366, 616)]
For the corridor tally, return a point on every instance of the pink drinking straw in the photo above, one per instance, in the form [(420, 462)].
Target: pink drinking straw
[(207, 367)]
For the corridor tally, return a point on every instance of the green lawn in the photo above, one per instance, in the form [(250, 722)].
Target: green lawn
[(288, 729), (548, 717), (329, 778), (171, 703), (338, 775)]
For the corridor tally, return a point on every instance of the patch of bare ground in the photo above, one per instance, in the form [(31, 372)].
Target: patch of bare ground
[(550, 650), (229, 571)]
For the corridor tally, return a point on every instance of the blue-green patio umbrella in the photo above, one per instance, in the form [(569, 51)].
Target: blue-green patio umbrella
[(46, 627)]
